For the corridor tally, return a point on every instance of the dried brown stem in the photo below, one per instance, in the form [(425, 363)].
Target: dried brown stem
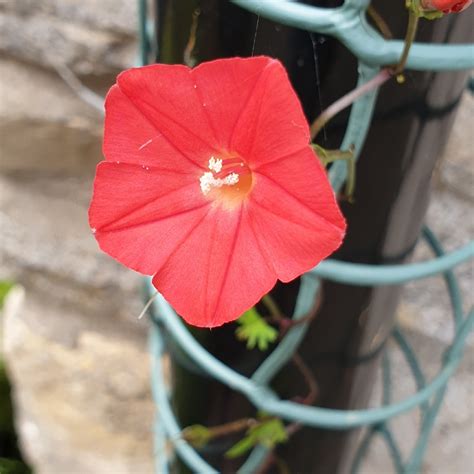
[(228, 428), (188, 50), (232, 427), (380, 23), (347, 100), (273, 459), (308, 377), (383, 76)]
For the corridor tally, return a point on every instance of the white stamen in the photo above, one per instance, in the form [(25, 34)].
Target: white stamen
[(232, 178), (215, 164), (207, 181)]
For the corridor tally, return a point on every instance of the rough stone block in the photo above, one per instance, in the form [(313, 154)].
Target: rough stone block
[(82, 408), (112, 15), (44, 229), (44, 127), (47, 40)]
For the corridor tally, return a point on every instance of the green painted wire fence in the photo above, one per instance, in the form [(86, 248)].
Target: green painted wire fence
[(168, 333)]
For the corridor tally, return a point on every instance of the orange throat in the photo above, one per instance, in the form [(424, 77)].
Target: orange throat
[(228, 181)]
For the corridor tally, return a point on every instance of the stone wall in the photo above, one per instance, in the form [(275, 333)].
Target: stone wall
[(90, 36), (76, 353)]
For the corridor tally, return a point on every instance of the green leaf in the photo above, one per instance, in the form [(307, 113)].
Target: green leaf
[(5, 287), (240, 448), (11, 466), (255, 330), (268, 433), (197, 435)]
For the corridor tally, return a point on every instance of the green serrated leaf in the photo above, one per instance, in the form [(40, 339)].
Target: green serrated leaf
[(268, 433), (197, 435), (255, 330)]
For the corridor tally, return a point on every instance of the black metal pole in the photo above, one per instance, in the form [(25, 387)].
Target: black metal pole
[(411, 125)]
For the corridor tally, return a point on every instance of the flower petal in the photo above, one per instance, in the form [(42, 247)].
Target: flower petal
[(130, 137), (165, 95), (218, 272), (294, 214), (211, 262), (272, 124), (226, 86), (139, 215)]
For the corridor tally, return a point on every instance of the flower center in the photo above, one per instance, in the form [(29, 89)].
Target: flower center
[(228, 179)]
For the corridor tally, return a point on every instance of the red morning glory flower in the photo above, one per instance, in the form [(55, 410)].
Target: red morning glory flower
[(446, 6), (210, 185)]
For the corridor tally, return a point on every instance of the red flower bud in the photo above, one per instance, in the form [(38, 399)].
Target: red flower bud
[(446, 6)]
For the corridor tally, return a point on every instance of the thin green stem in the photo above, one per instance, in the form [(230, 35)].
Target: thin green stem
[(272, 307), (413, 18), (330, 156)]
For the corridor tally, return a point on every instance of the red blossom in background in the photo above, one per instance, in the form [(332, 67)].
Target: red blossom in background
[(210, 185), (446, 6)]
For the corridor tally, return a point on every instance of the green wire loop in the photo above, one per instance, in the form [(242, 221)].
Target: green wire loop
[(348, 24), (263, 398), (378, 275)]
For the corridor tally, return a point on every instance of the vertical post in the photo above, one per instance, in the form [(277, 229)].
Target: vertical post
[(411, 125)]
